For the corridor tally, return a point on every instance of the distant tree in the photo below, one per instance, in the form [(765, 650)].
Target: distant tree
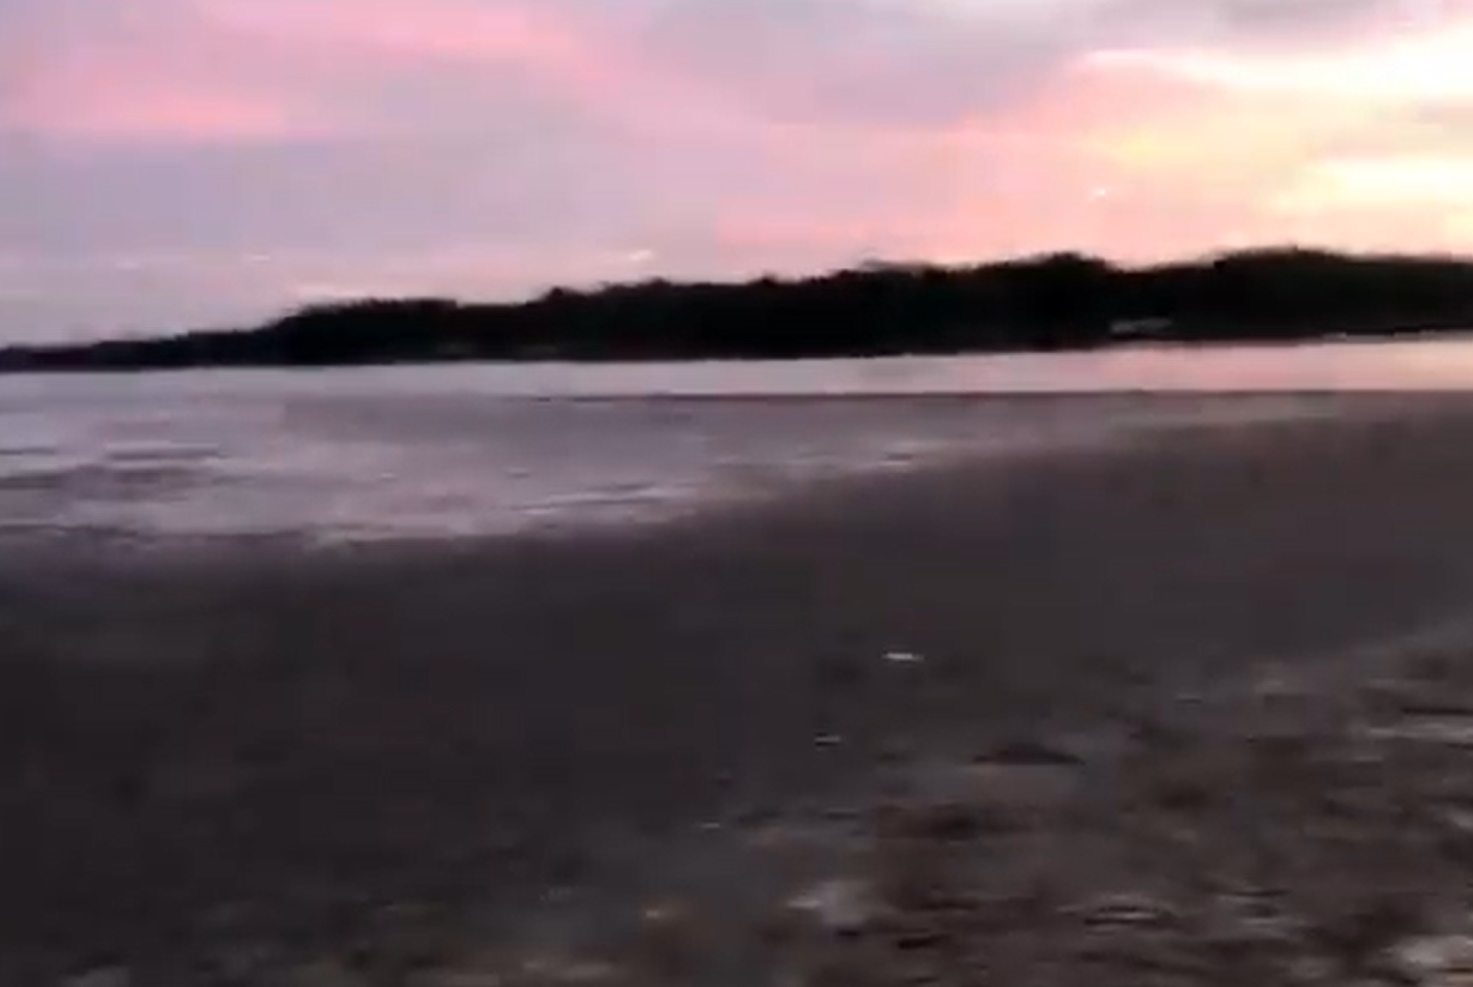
[(1050, 302)]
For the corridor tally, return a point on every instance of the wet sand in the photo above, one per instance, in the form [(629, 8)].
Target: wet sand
[(727, 749)]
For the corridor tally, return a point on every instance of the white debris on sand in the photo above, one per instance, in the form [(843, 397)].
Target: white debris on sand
[(664, 912), (1436, 961), (842, 905), (1451, 731)]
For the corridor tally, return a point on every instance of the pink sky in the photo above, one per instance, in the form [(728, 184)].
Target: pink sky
[(170, 163)]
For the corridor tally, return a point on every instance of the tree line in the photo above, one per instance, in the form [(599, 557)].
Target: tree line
[(1060, 301)]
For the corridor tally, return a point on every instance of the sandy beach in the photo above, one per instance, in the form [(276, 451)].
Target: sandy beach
[(1185, 709)]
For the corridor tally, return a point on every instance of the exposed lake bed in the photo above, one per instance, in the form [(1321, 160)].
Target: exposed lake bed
[(888, 725), (684, 493)]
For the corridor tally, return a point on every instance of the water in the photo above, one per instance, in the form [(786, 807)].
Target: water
[(470, 449)]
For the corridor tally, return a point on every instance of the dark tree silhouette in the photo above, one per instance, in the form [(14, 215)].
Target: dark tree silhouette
[(1054, 302)]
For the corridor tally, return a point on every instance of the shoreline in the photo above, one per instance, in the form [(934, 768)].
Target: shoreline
[(1455, 332), (1042, 303), (1153, 417), (308, 739), (1157, 347)]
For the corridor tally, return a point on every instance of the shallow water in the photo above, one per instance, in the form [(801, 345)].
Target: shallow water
[(477, 449)]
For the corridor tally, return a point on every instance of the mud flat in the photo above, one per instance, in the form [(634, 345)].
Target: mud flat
[(1197, 708)]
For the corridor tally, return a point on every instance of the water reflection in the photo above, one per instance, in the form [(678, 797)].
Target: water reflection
[(460, 449)]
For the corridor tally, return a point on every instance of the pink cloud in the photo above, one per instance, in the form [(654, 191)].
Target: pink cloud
[(123, 102), (270, 70), (1132, 160), (446, 28), (559, 140), (169, 76), (499, 48), (1139, 159)]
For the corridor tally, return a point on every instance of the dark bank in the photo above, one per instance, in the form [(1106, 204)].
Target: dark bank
[(1064, 301)]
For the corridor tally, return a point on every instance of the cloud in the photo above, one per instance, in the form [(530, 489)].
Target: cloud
[(262, 69), (164, 162), (145, 70)]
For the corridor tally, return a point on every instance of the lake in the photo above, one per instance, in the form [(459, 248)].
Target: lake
[(472, 449)]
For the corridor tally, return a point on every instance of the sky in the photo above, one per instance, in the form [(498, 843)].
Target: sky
[(172, 164)]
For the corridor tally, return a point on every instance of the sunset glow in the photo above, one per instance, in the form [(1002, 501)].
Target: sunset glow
[(491, 148)]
